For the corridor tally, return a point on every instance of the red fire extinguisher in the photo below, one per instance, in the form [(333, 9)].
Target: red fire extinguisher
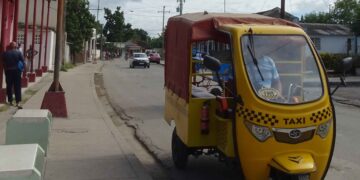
[(204, 118)]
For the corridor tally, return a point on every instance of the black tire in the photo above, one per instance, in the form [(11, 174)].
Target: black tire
[(148, 66), (180, 151), (279, 175), (158, 62)]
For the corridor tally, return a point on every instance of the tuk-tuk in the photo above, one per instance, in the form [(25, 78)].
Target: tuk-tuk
[(257, 95)]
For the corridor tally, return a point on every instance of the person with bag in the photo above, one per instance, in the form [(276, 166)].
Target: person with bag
[(13, 65)]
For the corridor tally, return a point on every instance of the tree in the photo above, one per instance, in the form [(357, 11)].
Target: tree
[(320, 17), (140, 35), (115, 29), (345, 11), (79, 24), (156, 42)]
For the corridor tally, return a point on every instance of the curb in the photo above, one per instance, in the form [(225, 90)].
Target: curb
[(135, 163)]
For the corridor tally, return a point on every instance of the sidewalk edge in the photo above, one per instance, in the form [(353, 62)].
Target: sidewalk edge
[(131, 158)]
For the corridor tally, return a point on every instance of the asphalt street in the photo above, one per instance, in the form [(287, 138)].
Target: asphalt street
[(138, 97)]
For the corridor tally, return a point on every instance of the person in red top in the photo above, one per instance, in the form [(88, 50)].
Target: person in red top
[(12, 60)]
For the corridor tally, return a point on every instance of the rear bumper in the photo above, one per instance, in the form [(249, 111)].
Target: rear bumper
[(140, 63), (154, 60)]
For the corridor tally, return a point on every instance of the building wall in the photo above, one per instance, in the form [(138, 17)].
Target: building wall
[(7, 36), (50, 56), (334, 44), (53, 12)]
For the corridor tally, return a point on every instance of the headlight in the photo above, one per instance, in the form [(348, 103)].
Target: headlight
[(323, 129), (261, 133)]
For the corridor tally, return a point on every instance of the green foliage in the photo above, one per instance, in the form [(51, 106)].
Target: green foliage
[(65, 67), (345, 11), (320, 17), (332, 61), (356, 61), (110, 47), (115, 29), (140, 35), (79, 23), (156, 42)]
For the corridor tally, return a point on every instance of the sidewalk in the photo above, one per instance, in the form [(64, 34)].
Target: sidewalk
[(86, 145)]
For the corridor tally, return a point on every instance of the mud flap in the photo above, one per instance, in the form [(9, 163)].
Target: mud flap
[(294, 163)]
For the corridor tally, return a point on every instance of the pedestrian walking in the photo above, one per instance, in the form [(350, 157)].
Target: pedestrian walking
[(13, 66), (19, 48), (30, 54)]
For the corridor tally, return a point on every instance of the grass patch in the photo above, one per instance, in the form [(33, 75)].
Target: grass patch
[(30, 92), (4, 108), (67, 66)]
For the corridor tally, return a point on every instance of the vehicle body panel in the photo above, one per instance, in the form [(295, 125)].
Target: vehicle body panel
[(256, 157)]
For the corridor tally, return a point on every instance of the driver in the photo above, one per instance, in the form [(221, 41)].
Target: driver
[(268, 71)]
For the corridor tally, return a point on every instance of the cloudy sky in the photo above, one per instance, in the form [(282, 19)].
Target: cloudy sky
[(145, 13)]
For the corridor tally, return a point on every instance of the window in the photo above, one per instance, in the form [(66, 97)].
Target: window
[(205, 83), (37, 39), (20, 38), (317, 43)]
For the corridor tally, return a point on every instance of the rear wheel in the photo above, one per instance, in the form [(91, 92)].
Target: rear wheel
[(180, 151)]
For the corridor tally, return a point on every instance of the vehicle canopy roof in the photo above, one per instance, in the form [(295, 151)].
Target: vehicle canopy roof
[(183, 30)]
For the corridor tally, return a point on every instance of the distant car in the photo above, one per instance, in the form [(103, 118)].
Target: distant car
[(154, 57), (139, 59)]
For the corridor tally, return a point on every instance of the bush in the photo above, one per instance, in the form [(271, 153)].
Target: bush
[(356, 61), (65, 67), (332, 61)]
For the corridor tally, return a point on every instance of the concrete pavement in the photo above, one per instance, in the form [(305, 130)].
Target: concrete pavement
[(86, 145)]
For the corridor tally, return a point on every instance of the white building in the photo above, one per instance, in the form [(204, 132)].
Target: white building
[(331, 38), (90, 49), (50, 55)]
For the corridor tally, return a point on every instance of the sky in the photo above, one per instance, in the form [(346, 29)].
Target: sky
[(145, 14)]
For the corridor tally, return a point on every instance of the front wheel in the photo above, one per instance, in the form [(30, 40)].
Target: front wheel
[(279, 175), (180, 151)]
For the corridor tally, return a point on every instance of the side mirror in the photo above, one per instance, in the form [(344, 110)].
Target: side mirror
[(346, 65), (212, 63)]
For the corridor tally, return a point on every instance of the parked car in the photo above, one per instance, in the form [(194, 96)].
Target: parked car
[(154, 57), (139, 59)]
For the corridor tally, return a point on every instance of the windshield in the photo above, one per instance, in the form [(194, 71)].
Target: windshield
[(140, 55), (281, 68)]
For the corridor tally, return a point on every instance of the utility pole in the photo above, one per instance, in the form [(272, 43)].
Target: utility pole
[(163, 29), (163, 11), (282, 11), (224, 6), (101, 34), (97, 19), (59, 46), (181, 5)]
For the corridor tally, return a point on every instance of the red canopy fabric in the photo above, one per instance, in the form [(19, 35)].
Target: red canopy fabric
[(183, 30)]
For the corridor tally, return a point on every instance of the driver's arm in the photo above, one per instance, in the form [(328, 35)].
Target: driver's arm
[(276, 83)]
